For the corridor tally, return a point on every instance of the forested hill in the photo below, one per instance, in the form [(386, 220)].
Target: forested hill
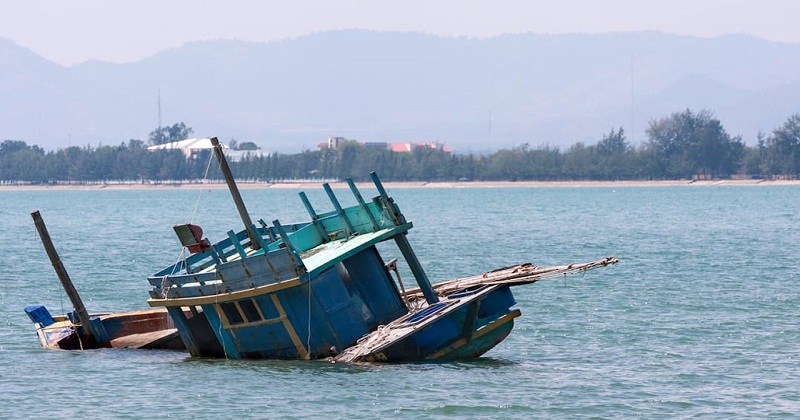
[(478, 95)]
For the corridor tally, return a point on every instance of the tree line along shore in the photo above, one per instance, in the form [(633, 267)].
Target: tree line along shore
[(316, 184), (686, 145)]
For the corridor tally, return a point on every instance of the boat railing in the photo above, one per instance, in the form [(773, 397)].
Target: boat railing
[(364, 217), (234, 262), (253, 271), (181, 280)]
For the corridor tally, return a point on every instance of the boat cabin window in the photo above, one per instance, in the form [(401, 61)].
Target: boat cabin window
[(240, 313), (249, 310), (231, 313)]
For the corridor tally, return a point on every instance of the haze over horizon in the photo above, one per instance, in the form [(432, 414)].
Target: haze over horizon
[(476, 77), (69, 33)]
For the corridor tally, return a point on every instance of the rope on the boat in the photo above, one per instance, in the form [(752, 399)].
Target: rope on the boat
[(200, 195), (164, 285), (78, 334), (37, 238), (308, 340), (385, 215)]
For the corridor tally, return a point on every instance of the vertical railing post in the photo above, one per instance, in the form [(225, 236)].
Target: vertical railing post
[(314, 217), (339, 209), (361, 202), (285, 237)]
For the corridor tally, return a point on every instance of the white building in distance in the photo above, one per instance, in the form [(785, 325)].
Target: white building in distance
[(191, 147)]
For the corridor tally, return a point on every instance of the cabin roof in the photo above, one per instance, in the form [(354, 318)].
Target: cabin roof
[(328, 254)]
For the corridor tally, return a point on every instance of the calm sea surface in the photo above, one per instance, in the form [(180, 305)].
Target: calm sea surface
[(699, 318)]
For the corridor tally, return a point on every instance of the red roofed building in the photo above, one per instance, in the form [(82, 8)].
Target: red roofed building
[(399, 147)]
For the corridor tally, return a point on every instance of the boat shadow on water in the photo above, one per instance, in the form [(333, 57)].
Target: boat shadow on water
[(322, 367)]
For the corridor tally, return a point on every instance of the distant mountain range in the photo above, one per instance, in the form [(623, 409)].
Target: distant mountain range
[(473, 94)]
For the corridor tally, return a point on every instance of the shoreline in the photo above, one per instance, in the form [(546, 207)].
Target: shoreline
[(405, 184)]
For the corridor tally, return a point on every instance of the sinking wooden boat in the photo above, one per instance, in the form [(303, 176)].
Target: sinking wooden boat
[(322, 289), (80, 330)]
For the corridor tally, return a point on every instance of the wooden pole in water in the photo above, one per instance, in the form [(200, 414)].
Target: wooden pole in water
[(61, 272), (237, 198)]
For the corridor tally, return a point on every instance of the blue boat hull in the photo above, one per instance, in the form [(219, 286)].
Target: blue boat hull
[(309, 319), (461, 326)]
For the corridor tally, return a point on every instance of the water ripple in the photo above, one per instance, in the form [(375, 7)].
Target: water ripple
[(698, 320)]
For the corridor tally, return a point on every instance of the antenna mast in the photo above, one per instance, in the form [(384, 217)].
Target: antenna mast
[(633, 104), (159, 108)]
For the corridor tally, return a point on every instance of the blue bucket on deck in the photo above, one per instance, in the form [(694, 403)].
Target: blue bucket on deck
[(40, 314)]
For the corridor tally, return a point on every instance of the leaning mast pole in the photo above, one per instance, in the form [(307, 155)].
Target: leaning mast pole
[(62, 274), (237, 198)]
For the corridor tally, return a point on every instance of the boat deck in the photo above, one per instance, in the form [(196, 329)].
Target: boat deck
[(143, 340)]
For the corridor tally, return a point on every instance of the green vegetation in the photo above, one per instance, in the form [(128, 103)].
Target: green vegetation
[(169, 134), (681, 146)]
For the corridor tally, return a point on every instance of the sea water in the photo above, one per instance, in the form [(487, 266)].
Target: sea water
[(699, 318)]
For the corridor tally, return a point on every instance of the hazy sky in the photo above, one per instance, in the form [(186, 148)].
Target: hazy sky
[(70, 32)]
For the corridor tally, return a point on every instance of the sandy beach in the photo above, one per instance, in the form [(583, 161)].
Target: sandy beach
[(318, 184)]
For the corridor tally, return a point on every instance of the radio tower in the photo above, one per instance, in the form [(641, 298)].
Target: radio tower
[(159, 109)]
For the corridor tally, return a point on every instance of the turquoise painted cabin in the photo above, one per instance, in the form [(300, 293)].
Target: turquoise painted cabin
[(305, 291)]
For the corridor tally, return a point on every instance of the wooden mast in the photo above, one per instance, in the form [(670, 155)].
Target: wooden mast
[(62, 274), (237, 198)]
